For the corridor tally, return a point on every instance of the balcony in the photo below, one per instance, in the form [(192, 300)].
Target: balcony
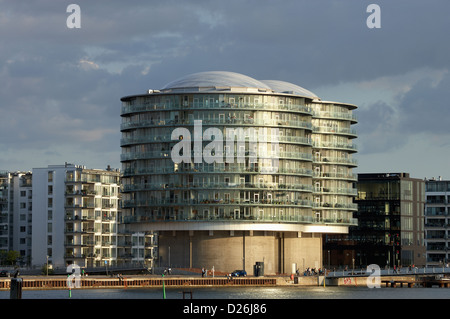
[(335, 160), (85, 230), (335, 190), (200, 105), (335, 130), (167, 154), (217, 185), (215, 170), (230, 202), (166, 139), (72, 217), (241, 217), (333, 175), (335, 115), (335, 145), (228, 122), (338, 206)]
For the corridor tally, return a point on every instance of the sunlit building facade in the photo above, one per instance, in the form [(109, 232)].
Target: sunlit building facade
[(75, 216), (231, 171)]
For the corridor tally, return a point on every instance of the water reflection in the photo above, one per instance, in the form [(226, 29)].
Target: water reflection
[(330, 292)]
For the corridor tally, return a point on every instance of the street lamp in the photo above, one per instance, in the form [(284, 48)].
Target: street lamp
[(329, 260)]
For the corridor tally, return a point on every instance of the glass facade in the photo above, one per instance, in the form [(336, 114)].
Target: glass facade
[(302, 174), (333, 179), (160, 189), (390, 217)]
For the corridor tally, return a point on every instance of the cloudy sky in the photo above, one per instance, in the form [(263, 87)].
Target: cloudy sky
[(61, 87)]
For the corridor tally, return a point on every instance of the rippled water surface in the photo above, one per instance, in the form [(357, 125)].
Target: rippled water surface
[(241, 293)]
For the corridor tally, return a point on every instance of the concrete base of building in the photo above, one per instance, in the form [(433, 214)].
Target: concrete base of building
[(281, 252)]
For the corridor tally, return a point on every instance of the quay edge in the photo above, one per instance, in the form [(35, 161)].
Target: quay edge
[(60, 282), (96, 282)]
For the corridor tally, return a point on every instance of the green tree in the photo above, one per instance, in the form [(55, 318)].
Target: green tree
[(11, 257)]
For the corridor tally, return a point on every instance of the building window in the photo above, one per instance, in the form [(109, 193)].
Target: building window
[(50, 176)]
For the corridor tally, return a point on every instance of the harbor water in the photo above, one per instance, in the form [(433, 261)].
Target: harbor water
[(240, 293)]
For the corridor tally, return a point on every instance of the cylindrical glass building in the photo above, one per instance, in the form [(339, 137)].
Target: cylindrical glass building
[(232, 171)]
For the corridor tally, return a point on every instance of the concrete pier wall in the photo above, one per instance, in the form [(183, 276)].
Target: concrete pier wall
[(227, 251)]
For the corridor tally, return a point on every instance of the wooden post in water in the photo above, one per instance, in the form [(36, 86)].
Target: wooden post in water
[(15, 290)]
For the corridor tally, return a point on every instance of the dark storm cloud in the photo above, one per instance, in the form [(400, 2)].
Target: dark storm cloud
[(423, 109), (426, 107), (378, 129), (61, 87), (319, 43)]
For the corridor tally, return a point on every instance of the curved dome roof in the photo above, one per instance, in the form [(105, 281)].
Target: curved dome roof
[(289, 88), (215, 79)]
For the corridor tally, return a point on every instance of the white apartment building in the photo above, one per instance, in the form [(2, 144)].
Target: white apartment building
[(437, 221), (75, 216), (21, 222)]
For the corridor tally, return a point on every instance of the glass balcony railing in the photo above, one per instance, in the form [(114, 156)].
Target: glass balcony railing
[(207, 202), (167, 139), (335, 115), (334, 130), (335, 160), (332, 175), (338, 206), (231, 122), (208, 170), (225, 186), (335, 190), (300, 108), (260, 155), (335, 145), (299, 218)]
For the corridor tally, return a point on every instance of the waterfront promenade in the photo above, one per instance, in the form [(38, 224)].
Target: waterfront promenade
[(352, 278), (391, 272), (141, 281)]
